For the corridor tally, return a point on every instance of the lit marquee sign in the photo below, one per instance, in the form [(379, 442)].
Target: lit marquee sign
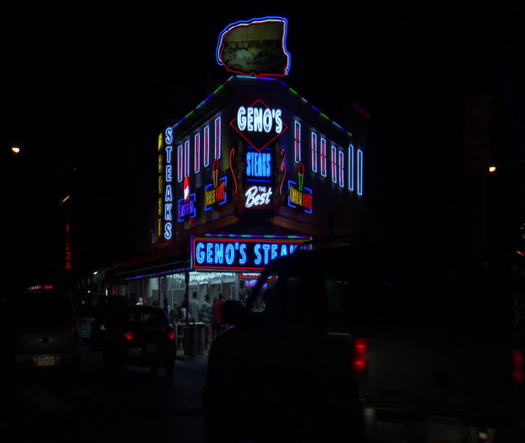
[(259, 174), (259, 124), (215, 193), (258, 197), (255, 47), (258, 165), (298, 194), (187, 206), (166, 182), (243, 253)]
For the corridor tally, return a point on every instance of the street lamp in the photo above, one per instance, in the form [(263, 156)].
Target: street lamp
[(15, 150)]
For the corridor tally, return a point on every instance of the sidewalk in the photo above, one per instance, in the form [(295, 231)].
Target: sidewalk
[(200, 358)]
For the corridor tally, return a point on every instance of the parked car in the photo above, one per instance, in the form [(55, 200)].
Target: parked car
[(41, 331), (136, 335), (352, 342)]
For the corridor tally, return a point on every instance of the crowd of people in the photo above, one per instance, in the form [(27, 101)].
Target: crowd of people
[(204, 312)]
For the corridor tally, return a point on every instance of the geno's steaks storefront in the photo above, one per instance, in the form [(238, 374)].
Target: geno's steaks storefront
[(252, 173)]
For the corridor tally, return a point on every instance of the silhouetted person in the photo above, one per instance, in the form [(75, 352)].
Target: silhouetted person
[(223, 394)]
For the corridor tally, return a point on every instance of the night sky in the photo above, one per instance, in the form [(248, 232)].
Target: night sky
[(87, 88)]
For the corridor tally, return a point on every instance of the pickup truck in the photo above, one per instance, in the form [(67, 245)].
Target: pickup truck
[(353, 343)]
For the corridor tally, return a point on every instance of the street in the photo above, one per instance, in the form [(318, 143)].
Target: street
[(136, 405)]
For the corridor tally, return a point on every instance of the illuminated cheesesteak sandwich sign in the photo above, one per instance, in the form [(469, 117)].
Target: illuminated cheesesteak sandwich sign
[(243, 253)]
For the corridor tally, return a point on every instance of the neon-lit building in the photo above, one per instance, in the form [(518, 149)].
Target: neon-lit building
[(252, 173)]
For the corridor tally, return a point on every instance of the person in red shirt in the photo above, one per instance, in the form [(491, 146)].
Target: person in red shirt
[(217, 316)]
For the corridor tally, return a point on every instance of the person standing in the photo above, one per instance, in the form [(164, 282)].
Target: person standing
[(195, 307), (205, 317), (183, 313), (217, 316)]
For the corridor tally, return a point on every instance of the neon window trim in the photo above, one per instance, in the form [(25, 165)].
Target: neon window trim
[(297, 141), (218, 137), (187, 158), (323, 157), (180, 164), (360, 159), (333, 163), (206, 136), (351, 168), (197, 153), (341, 169), (314, 150)]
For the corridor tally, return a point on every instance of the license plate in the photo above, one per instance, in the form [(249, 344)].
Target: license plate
[(134, 352), (150, 348), (443, 430), (45, 360)]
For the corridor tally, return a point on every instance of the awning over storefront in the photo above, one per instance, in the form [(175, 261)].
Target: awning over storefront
[(155, 263)]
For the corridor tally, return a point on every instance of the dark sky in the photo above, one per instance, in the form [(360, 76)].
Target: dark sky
[(87, 87)]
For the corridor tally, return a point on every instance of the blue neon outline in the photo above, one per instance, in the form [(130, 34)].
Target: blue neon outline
[(360, 158), (253, 236), (333, 163), (192, 196), (268, 178), (251, 21), (351, 165), (259, 180), (219, 118), (321, 156), (168, 222), (168, 135), (187, 157), (341, 168), (180, 164), (210, 186), (314, 156), (290, 184)]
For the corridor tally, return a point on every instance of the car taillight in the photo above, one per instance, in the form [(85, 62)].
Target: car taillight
[(171, 335), (517, 366), (360, 355), (129, 335)]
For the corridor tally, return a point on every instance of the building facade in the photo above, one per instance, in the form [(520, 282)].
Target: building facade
[(254, 172)]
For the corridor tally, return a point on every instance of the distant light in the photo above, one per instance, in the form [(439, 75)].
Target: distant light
[(492, 169), (95, 273), (15, 150)]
